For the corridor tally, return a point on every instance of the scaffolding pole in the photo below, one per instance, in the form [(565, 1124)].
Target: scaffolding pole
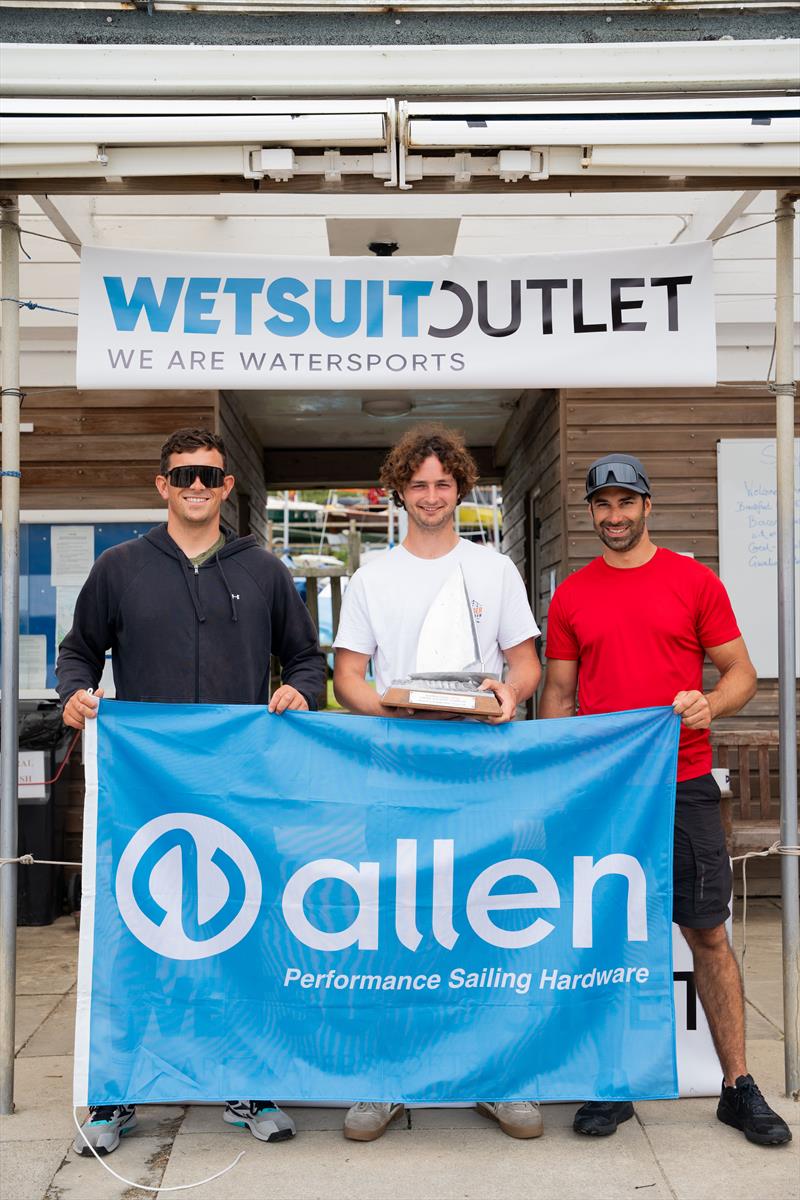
[(495, 519), (9, 367), (787, 628)]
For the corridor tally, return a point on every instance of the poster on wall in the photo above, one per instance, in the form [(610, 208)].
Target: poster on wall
[(608, 318), (748, 542)]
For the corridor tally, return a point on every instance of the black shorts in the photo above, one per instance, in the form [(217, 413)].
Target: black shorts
[(701, 868)]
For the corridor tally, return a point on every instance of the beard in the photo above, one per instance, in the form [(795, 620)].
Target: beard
[(440, 521), (635, 532)]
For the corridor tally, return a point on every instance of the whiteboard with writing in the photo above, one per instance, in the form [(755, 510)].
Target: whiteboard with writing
[(748, 534)]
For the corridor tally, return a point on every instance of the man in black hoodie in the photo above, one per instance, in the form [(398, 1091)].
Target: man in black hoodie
[(191, 615)]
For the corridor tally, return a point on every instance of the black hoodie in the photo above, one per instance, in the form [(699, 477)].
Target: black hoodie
[(185, 634)]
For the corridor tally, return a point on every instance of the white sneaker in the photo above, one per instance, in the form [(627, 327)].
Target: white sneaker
[(367, 1121), (517, 1118), (103, 1128), (264, 1119)]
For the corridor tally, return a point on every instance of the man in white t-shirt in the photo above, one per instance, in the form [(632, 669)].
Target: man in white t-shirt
[(428, 472)]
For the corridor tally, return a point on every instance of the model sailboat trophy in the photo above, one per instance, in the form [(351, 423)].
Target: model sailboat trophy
[(449, 664)]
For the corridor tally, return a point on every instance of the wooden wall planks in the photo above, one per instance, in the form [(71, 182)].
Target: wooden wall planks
[(99, 449), (246, 508), (534, 463)]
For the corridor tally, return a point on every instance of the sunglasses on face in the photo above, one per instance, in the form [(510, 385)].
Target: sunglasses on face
[(184, 477), (614, 472)]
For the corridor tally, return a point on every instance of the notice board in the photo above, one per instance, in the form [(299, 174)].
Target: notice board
[(748, 542), (57, 551)]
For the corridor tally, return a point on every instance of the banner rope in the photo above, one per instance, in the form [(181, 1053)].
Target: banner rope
[(7, 223), (35, 304), (775, 848), (59, 772), (178, 1187), (68, 242), (736, 232), (35, 233), (27, 860)]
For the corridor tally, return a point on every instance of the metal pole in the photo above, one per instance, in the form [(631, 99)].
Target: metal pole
[(784, 426), (286, 523), (9, 349), (495, 518)]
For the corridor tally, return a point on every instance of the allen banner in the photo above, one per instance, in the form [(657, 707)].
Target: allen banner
[(326, 908), (628, 317)]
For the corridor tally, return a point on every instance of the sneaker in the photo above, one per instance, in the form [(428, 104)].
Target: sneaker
[(600, 1118), (743, 1107), (517, 1118), (103, 1128), (264, 1119), (366, 1121)]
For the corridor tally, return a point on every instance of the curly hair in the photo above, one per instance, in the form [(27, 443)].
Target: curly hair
[(419, 443), (184, 440)]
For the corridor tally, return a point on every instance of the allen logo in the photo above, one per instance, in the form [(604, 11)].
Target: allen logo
[(187, 886)]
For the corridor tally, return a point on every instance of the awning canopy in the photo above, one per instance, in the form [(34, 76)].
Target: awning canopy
[(330, 150)]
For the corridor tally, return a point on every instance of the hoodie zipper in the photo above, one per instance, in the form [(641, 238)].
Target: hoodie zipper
[(197, 640)]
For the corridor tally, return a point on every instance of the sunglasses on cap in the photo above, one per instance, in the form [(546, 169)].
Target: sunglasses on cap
[(184, 477), (615, 472)]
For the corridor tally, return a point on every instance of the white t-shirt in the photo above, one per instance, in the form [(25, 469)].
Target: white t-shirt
[(388, 599)]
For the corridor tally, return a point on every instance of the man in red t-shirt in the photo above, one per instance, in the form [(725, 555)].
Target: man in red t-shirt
[(631, 630)]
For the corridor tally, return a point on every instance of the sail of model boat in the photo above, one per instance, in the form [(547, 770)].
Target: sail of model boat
[(448, 640)]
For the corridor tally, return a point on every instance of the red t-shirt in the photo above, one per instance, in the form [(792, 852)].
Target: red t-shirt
[(639, 636)]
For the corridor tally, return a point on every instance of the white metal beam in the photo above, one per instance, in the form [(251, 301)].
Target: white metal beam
[(275, 204), (72, 217), (459, 131), (114, 107), (236, 162), (758, 66), (715, 217), (340, 129)]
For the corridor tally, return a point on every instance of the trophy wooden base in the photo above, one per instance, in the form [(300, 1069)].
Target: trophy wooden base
[(465, 703)]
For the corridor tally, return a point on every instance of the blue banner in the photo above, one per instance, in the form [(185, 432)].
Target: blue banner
[(331, 908)]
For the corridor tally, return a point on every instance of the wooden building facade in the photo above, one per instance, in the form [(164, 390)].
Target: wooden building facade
[(100, 449)]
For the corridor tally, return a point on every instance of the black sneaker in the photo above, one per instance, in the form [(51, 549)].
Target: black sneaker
[(600, 1118), (743, 1107)]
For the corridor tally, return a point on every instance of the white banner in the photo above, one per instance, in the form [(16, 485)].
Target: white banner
[(699, 1071), (611, 318)]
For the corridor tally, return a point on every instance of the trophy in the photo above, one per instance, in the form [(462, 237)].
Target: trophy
[(449, 665)]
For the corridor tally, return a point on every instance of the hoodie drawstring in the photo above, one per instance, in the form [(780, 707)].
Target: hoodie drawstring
[(233, 596)]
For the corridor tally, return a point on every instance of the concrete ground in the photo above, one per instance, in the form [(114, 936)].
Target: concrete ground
[(674, 1149)]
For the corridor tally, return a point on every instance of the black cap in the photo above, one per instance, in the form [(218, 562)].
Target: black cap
[(617, 470)]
